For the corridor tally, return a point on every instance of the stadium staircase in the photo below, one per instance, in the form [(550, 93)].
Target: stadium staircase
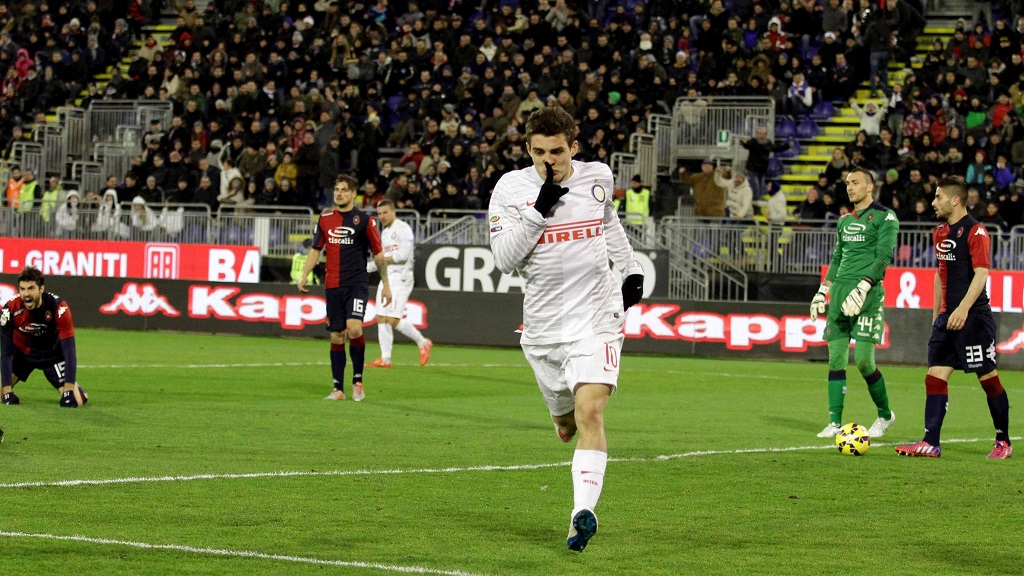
[(801, 172)]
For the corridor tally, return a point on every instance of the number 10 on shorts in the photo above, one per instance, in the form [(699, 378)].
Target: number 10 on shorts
[(611, 357)]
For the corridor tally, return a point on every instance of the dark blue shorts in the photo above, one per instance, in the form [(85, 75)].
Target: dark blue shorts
[(971, 349), (343, 303), (53, 370)]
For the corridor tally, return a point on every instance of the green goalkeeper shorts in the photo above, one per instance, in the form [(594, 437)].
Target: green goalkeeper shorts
[(868, 326)]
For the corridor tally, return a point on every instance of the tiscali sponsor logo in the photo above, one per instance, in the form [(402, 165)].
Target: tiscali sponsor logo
[(944, 250), (341, 235), (854, 232)]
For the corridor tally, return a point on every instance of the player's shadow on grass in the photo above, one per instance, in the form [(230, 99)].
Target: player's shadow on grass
[(796, 424)]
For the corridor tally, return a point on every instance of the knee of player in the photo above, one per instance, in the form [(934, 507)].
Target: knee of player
[(355, 332), (589, 415), (865, 367)]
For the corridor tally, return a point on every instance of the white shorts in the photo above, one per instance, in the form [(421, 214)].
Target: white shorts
[(559, 368), (400, 292)]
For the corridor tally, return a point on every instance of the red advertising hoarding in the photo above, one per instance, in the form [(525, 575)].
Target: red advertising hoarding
[(713, 329), (914, 288), (152, 260)]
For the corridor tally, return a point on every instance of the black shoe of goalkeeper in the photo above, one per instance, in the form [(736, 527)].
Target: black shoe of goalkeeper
[(68, 399), (11, 398)]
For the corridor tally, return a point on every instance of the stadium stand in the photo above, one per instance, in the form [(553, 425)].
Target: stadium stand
[(252, 107)]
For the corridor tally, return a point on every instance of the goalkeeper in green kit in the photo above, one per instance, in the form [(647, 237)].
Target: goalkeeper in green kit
[(864, 247)]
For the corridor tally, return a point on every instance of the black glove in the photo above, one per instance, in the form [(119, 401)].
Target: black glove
[(632, 290), (550, 193)]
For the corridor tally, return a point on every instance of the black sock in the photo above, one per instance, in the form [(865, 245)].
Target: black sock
[(999, 407), (338, 365), (357, 349), (934, 413)]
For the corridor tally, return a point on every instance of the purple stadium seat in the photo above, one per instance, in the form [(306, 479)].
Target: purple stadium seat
[(792, 151), (785, 128), (823, 110), (807, 129)]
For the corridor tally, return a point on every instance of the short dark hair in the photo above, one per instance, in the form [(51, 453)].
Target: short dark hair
[(954, 186), (353, 184), (551, 121), (862, 170), (31, 274), (385, 203)]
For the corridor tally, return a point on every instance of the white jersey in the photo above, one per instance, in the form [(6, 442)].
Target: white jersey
[(397, 241), (571, 292)]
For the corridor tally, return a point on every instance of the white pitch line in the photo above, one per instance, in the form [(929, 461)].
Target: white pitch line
[(451, 470), (469, 365), (242, 554)]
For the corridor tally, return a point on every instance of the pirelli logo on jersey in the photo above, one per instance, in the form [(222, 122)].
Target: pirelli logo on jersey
[(572, 231)]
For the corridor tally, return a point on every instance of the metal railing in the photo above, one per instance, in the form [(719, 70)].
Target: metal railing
[(696, 123), (698, 265), (82, 221), (709, 259), (103, 117), (456, 227), (275, 230)]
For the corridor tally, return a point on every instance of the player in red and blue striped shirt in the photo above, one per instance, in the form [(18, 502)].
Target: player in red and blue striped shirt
[(36, 332), (347, 234)]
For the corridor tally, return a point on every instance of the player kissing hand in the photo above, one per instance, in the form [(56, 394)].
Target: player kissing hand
[(550, 193)]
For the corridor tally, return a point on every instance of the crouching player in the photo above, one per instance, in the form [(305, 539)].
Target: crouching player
[(36, 332)]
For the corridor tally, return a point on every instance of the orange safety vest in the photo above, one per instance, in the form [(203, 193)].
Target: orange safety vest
[(13, 196)]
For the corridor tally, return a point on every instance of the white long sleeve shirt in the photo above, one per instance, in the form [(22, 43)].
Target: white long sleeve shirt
[(571, 292), (398, 242)]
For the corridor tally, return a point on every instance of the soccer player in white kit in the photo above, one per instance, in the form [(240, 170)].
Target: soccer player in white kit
[(398, 242), (561, 240)]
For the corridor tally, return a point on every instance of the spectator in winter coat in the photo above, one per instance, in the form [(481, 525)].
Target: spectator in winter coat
[(760, 150), (776, 205), (709, 197), (739, 197), (812, 207), (870, 117)]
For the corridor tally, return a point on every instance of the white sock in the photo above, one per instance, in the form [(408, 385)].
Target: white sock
[(588, 468), (410, 331), (386, 338)]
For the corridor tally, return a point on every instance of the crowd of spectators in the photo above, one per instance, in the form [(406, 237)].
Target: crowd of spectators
[(425, 101), (959, 114)]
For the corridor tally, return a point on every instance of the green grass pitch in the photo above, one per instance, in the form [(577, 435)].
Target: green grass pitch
[(400, 483)]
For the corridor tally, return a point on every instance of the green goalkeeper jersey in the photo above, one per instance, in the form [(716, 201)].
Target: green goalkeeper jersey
[(865, 244)]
